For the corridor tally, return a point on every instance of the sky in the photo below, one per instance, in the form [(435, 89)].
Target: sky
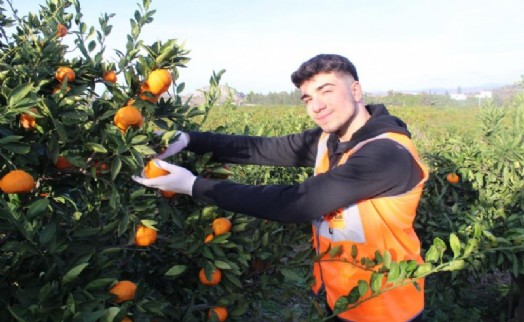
[(396, 45)]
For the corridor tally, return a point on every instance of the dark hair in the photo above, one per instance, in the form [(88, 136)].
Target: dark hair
[(323, 63)]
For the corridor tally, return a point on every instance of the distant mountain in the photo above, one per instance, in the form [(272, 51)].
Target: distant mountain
[(443, 90), (227, 94)]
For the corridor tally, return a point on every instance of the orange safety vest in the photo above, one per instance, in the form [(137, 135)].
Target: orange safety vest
[(374, 224)]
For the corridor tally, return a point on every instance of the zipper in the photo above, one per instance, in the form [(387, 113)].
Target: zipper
[(319, 222)]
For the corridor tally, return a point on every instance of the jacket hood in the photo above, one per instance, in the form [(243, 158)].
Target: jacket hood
[(380, 122)]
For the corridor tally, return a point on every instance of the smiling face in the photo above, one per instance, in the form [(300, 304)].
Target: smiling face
[(333, 101)]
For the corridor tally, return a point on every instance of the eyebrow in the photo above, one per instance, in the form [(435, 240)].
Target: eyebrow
[(318, 89)]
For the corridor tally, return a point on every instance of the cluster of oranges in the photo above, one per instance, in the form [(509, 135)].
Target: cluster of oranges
[(125, 290), (156, 84), (219, 226)]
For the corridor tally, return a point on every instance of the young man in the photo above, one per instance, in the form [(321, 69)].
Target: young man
[(366, 188)]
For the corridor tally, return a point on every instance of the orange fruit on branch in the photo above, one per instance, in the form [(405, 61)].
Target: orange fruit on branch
[(167, 194), (159, 81), (63, 163), (109, 76), (127, 319), (27, 121), (17, 181), (100, 167), (59, 87), (128, 116), (123, 290), (219, 312), (64, 72), (208, 238), (145, 236), (147, 97), (221, 226), (61, 30), (453, 178), (216, 277)]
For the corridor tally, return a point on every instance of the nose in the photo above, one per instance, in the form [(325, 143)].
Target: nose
[(317, 104)]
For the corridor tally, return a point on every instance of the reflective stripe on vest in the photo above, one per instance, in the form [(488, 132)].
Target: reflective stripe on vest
[(389, 224)]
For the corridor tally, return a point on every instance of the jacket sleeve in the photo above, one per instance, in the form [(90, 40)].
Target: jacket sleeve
[(295, 150), (380, 168)]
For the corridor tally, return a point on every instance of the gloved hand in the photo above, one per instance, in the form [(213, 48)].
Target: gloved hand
[(179, 180), (175, 147)]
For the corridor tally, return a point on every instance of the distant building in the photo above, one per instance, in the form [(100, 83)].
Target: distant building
[(484, 94), (458, 97)]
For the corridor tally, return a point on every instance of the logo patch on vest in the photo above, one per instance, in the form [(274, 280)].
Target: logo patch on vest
[(335, 219), (343, 224)]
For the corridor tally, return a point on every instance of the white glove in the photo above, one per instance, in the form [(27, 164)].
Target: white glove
[(179, 180), (175, 147)]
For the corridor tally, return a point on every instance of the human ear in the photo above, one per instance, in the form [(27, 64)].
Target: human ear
[(356, 91)]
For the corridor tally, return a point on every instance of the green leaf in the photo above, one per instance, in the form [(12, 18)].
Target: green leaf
[(291, 275), (335, 251), (91, 46), (455, 265), (139, 139), (86, 232), (454, 242), (73, 273), (176, 270), (100, 283), (386, 259), (96, 147), (341, 305), (222, 264), (363, 287), (115, 167), (149, 223), (48, 233), (376, 282), (195, 112), (37, 207), (423, 270), (354, 251), (11, 139), (394, 273), (144, 149), (124, 222), (233, 279), (470, 247), (110, 314), (18, 94), (17, 148), (432, 255)]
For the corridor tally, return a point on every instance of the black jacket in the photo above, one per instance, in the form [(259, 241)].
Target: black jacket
[(380, 168)]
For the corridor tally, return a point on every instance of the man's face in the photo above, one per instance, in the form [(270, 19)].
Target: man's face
[(331, 101)]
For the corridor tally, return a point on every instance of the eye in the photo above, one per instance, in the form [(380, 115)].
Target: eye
[(327, 90)]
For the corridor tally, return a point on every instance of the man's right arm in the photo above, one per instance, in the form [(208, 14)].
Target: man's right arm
[(296, 150)]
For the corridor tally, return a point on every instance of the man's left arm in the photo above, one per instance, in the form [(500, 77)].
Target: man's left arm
[(380, 168)]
